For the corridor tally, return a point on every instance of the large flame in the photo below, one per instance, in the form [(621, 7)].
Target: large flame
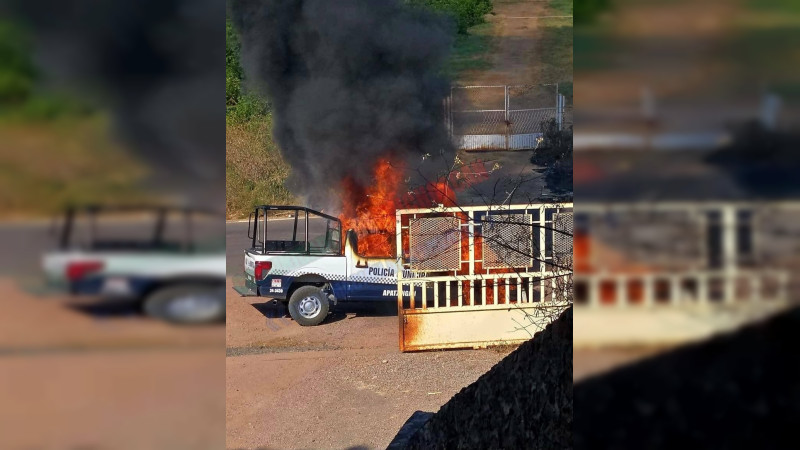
[(370, 209)]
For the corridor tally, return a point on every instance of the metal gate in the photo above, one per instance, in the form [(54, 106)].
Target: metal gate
[(502, 117), (479, 276), (658, 273)]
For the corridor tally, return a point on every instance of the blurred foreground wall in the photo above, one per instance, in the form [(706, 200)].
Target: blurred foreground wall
[(112, 104)]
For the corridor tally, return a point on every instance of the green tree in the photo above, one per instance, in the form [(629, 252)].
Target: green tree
[(17, 72), (233, 68), (465, 13), (587, 10), (241, 105)]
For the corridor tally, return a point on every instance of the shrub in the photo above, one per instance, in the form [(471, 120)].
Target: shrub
[(465, 13)]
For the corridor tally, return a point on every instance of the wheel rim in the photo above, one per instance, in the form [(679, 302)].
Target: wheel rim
[(309, 307), (197, 306)]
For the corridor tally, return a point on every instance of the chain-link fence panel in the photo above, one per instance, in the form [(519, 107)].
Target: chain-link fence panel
[(434, 243), (562, 240), (502, 117), (666, 239), (508, 241), (532, 97), (478, 98), (478, 117)]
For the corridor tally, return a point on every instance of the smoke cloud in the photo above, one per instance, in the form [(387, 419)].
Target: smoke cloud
[(349, 82), (157, 66)]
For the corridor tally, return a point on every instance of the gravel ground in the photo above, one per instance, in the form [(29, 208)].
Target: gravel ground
[(75, 375), (343, 384)]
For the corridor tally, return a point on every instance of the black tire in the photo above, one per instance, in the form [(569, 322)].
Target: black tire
[(187, 303), (308, 306)]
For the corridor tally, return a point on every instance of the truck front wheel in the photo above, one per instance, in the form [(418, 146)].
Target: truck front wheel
[(308, 306)]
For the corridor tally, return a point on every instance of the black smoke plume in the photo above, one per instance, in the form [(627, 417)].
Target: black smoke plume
[(349, 81), (157, 65)]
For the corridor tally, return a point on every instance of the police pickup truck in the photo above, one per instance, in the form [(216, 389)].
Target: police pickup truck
[(148, 254), (299, 257)]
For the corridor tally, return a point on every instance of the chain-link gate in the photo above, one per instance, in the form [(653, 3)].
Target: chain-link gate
[(502, 117)]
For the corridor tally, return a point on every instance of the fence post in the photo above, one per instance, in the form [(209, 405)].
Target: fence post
[(449, 115), (560, 100), (508, 123)]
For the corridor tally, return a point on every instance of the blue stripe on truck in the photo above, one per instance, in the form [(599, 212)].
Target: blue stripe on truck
[(277, 287)]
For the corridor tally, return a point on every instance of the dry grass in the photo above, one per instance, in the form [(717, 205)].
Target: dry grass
[(44, 166), (255, 170)]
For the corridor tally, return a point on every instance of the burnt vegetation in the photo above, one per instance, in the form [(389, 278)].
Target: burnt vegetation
[(554, 157), (764, 161)]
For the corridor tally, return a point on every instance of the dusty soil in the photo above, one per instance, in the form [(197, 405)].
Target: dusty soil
[(680, 51), (588, 363), (507, 172), (105, 377), (342, 384), (515, 54)]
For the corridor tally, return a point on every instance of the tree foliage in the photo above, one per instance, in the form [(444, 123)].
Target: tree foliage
[(465, 13), (585, 11), (17, 72), (241, 106), (233, 67), (554, 155)]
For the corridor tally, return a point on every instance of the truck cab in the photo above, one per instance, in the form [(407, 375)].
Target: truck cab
[(304, 259)]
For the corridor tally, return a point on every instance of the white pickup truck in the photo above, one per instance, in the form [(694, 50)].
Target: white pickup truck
[(146, 254), (302, 257)]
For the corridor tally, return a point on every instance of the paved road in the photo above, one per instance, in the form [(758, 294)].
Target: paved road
[(23, 243), (236, 241)]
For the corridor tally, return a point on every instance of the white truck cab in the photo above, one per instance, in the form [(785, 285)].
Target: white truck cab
[(303, 258)]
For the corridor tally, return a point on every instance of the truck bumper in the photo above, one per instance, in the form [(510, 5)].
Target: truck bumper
[(245, 291)]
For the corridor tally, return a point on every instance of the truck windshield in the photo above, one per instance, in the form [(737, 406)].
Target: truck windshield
[(295, 231)]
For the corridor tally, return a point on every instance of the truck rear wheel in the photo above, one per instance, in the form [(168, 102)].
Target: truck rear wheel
[(187, 303), (308, 306)]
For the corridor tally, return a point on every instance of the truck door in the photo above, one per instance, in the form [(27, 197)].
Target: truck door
[(368, 278)]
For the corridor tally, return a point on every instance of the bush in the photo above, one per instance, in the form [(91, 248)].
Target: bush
[(555, 155), (248, 107), (17, 73), (233, 68), (240, 106), (465, 13), (585, 11), (255, 169)]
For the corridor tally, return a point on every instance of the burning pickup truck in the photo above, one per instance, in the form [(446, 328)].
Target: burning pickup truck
[(298, 257)]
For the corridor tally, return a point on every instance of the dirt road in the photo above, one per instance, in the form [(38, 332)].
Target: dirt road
[(78, 376), (516, 45), (343, 384)]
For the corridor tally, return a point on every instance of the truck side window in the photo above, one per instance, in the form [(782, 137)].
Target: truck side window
[(323, 235)]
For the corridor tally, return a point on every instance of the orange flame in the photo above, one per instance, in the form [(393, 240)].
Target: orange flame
[(370, 210)]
